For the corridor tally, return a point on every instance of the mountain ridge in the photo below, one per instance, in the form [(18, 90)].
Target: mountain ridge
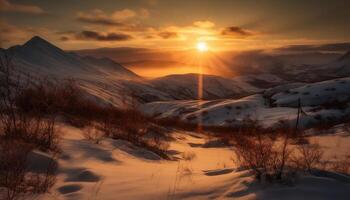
[(44, 56)]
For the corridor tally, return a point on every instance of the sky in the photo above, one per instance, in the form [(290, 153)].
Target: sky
[(224, 24), (176, 25)]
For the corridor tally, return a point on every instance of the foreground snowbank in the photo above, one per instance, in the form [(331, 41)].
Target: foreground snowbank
[(118, 170)]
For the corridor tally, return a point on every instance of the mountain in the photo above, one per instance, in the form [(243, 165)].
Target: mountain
[(39, 56), (337, 67), (326, 100), (102, 78), (185, 86), (264, 96), (111, 82), (335, 91)]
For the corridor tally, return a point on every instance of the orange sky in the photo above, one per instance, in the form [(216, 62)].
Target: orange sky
[(173, 25)]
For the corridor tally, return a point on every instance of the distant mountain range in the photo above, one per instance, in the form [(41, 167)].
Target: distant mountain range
[(269, 94), (229, 64), (111, 82)]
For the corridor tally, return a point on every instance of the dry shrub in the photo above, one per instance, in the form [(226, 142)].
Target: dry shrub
[(134, 127), (175, 123), (129, 125), (63, 98), (158, 139), (27, 122), (265, 151), (28, 115), (31, 126), (156, 145), (93, 133), (340, 165), (12, 168), (308, 157), (37, 131), (18, 182), (265, 155)]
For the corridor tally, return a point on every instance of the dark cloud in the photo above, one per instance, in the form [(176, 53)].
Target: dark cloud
[(168, 35), (100, 21), (117, 18), (235, 30), (325, 47), (7, 6), (93, 35)]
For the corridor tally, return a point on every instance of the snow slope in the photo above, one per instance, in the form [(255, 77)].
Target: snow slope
[(112, 83), (322, 100), (186, 86), (336, 68), (221, 112), (116, 169), (40, 56), (102, 78), (313, 94)]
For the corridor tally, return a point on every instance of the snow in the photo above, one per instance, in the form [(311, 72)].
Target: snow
[(221, 112), (111, 83), (185, 86), (315, 93), (202, 167), (326, 100), (282, 88), (107, 171)]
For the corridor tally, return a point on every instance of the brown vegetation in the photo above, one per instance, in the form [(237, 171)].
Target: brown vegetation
[(24, 127)]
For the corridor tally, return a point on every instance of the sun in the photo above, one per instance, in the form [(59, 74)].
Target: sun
[(202, 46)]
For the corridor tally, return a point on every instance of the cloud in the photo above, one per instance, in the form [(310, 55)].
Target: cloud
[(152, 2), (236, 31), (12, 34), (93, 35), (117, 18), (7, 6), (122, 15), (324, 47), (204, 24), (168, 35), (97, 17), (144, 13)]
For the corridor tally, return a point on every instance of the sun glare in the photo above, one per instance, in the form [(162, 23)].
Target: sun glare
[(202, 46)]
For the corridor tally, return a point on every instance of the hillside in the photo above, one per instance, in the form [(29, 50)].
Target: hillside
[(110, 82), (116, 169), (325, 100)]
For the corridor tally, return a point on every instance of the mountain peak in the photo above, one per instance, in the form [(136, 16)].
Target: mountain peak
[(37, 41)]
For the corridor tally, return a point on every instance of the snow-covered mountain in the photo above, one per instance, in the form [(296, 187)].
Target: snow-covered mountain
[(327, 100), (266, 96), (185, 86), (111, 82), (326, 92), (102, 78), (40, 56), (336, 68)]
